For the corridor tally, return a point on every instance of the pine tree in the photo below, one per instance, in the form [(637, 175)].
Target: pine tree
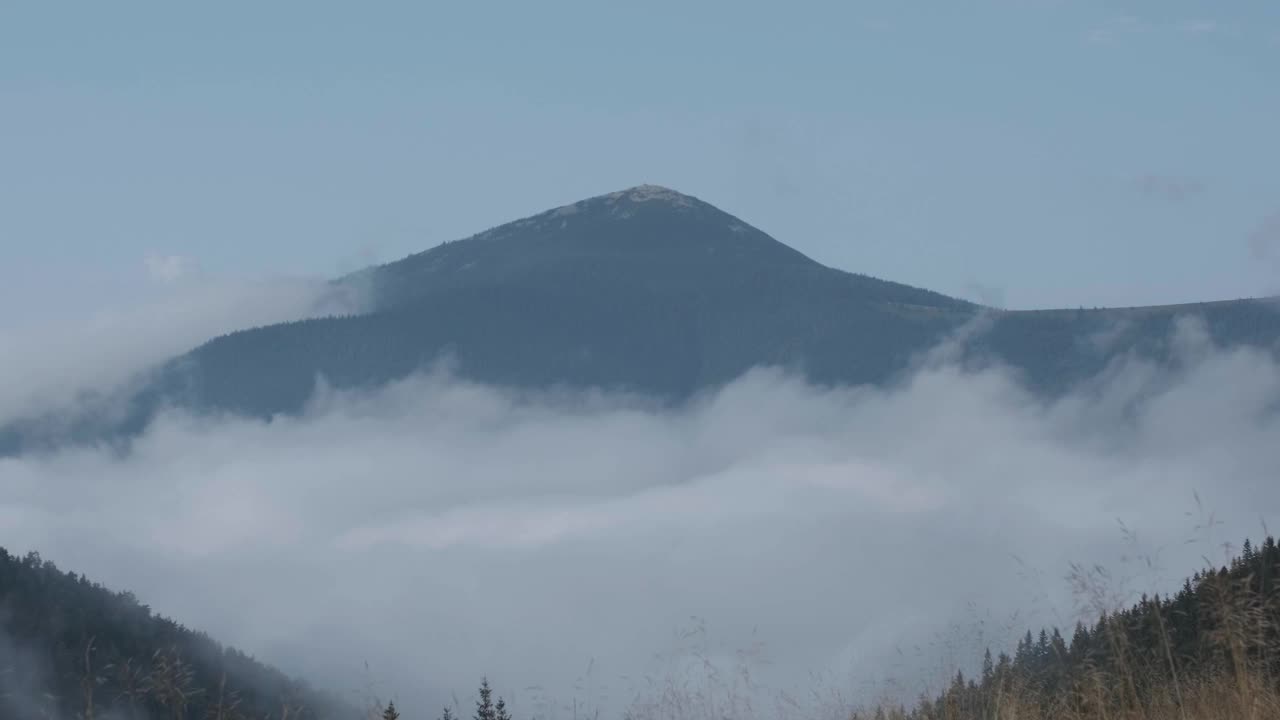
[(390, 713), (500, 711), (1080, 644), (484, 706), (447, 714)]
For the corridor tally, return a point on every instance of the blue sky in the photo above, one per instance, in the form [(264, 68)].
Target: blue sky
[(1030, 153)]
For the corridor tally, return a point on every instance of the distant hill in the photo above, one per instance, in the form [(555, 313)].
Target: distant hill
[(645, 290), (71, 648)]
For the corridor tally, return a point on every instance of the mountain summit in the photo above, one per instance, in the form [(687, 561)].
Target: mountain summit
[(646, 290), (647, 236), (647, 193), (618, 202)]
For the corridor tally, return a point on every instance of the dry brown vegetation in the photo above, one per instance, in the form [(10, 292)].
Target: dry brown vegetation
[(1209, 652)]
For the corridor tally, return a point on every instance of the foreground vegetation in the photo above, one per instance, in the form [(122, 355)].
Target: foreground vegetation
[(1211, 651)]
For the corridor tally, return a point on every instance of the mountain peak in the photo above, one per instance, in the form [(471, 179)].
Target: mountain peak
[(651, 193), (624, 202)]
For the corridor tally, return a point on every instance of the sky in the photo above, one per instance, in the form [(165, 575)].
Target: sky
[(1029, 153), (169, 173)]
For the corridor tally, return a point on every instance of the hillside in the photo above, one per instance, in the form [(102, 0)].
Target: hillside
[(71, 648), (1211, 650), (644, 290)]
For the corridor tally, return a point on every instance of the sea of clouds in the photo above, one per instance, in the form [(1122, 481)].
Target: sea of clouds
[(799, 546)]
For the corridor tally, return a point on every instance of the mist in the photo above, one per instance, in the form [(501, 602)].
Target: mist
[(577, 546), (56, 364)]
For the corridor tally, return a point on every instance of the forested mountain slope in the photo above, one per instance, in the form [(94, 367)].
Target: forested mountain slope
[(1209, 651), (71, 648)]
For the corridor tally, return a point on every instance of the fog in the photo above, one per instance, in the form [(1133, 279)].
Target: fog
[(580, 546), (52, 361)]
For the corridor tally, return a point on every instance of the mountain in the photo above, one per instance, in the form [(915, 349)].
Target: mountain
[(72, 648), (645, 290)]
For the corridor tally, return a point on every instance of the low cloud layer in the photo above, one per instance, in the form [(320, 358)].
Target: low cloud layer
[(441, 530), (51, 367)]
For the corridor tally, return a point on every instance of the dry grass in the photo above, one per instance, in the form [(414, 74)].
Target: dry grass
[(1232, 675), (1151, 660), (1221, 697)]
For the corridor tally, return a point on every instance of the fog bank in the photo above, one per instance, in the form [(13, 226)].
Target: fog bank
[(561, 543)]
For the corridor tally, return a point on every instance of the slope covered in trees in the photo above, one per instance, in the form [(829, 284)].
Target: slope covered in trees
[(70, 648), (1209, 651)]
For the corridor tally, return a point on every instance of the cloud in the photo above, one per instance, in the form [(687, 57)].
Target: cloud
[(1176, 190), (441, 530), (982, 293), (168, 269), (54, 367)]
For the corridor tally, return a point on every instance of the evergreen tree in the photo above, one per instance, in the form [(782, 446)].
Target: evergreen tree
[(1219, 617), (484, 706), (390, 713)]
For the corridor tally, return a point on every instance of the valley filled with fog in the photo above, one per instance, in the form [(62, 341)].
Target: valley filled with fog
[(579, 545)]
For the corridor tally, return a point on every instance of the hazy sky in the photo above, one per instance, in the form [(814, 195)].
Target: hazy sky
[(1035, 153)]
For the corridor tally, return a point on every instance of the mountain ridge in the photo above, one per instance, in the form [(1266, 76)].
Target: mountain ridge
[(644, 290)]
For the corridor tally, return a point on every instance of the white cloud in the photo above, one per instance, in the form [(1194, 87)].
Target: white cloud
[(50, 367), (992, 296), (168, 269), (441, 530)]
